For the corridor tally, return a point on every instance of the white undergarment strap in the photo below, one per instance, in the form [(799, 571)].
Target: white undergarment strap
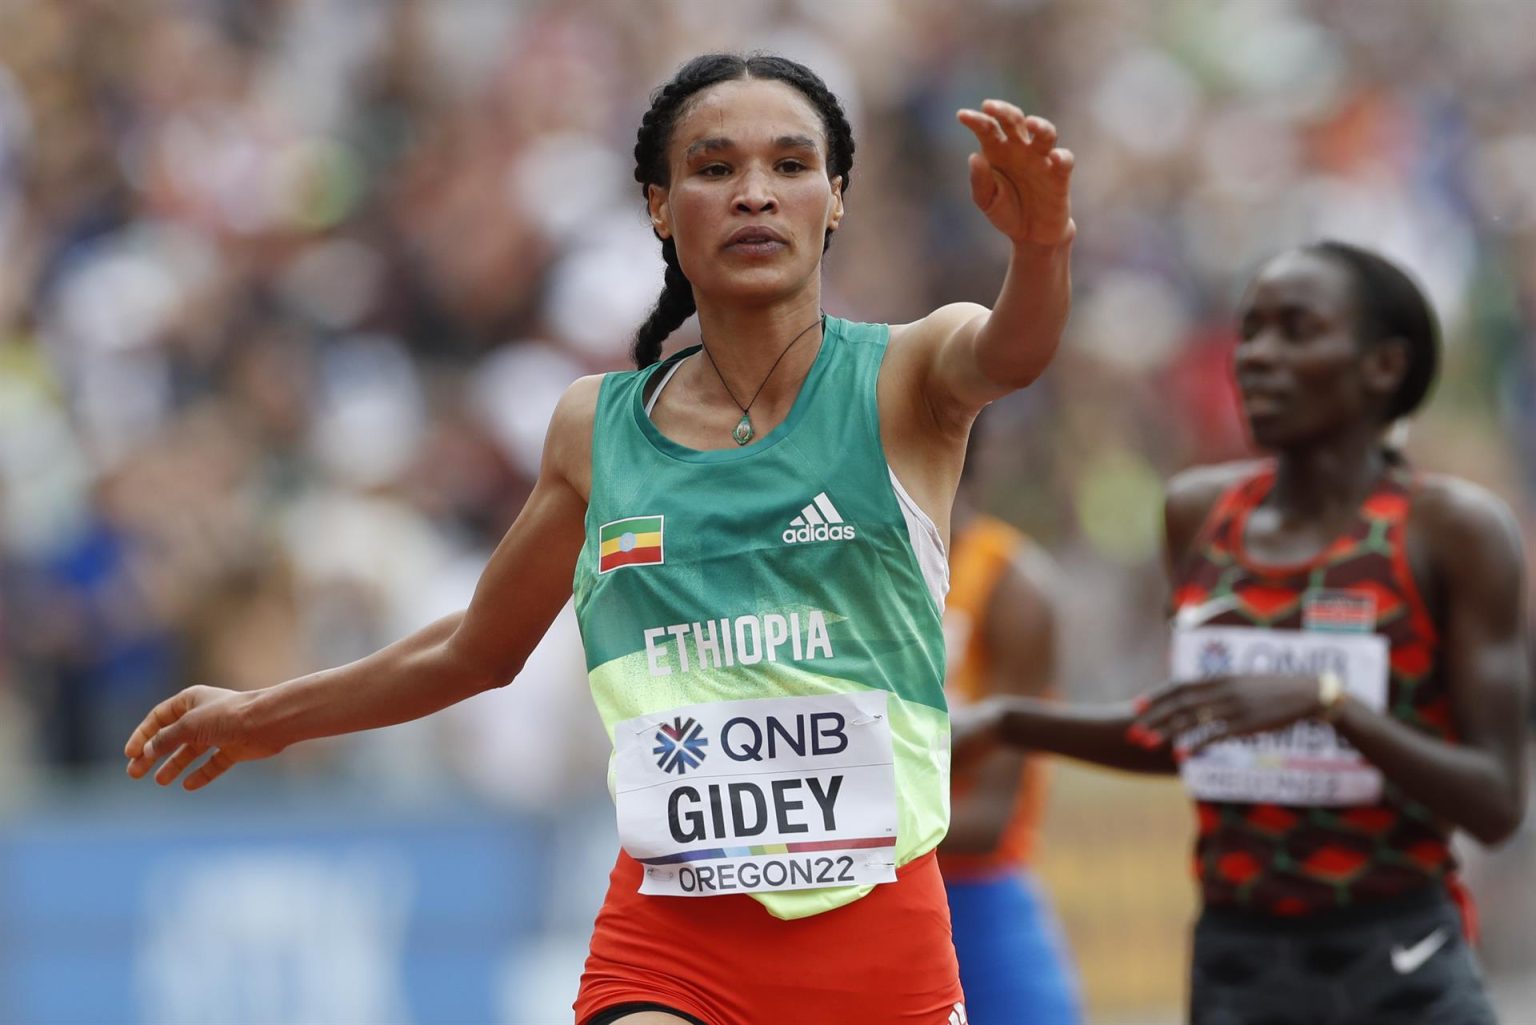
[(650, 403), (926, 543)]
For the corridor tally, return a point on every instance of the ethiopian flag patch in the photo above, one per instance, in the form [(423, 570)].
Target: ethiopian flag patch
[(635, 541)]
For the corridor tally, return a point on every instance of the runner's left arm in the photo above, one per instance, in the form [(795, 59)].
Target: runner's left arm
[(1020, 180), (1478, 782)]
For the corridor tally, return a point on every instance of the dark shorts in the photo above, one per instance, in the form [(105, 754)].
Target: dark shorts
[(1400, 964), (612, 1014)]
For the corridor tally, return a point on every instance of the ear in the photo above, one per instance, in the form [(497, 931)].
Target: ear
[(837, 204), (1384, 366), (661, 215)]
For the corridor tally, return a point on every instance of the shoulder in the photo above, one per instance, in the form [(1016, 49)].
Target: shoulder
[(911, 359), (927, 334), (1031, 574), (1021, 620), (915, 347), (578, 405), (1190, 495), (1464, 525), (859, 331), (1203, 485), (568, 444), (1026, 587), (924, 439), (1451, 500)]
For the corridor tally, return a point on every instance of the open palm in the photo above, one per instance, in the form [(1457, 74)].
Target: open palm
[(1020, 178)]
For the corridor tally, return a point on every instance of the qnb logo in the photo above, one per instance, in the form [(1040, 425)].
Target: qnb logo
[(680, 746), (1215, 659), (818, 521), (957, 1016)]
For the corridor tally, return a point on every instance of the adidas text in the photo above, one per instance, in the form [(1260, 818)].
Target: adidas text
[(824, 532)]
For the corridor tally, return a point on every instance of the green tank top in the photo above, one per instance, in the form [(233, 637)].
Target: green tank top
[(713, 581)]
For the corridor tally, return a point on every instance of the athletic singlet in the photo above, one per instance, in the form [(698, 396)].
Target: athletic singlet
[(1304, 857), (980, 555), (763, 646)]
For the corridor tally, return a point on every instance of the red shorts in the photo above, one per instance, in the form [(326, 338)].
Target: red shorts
[(886, 958)]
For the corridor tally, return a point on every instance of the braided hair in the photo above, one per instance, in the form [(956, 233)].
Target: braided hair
[(675, 304)]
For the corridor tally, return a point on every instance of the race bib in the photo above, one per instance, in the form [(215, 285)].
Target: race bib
[(759, 795), (1306, 763)]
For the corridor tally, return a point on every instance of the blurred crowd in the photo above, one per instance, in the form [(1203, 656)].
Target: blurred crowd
[(289, 288)]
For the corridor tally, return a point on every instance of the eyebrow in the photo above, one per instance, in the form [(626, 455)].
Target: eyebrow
[(717, 143)]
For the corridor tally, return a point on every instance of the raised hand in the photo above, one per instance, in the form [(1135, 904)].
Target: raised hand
[(183, 728), (1020, 178)]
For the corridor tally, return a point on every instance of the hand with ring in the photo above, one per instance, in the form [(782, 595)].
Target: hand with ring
[(1221, 707)]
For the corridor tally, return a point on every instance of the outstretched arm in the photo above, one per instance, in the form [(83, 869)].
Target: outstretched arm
[(522, 589), (1105, 734), (1100, 734)]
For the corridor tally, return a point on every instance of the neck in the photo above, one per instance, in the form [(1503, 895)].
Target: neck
[(745, 342), (1316, 480)]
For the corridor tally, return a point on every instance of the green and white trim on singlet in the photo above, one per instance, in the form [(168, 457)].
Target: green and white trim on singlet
[(792, 568)]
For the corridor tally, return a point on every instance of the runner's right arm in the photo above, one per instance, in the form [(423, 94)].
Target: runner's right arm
[(1101, 734), (523, 587)]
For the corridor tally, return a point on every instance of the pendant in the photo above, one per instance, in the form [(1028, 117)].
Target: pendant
[(743, 431)]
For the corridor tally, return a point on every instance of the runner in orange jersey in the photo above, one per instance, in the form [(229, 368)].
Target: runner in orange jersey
[(1000, 628)]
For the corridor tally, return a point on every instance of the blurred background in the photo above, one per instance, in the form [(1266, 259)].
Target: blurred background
[(289, 288)]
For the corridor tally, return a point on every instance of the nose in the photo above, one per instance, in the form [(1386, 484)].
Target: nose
[(755, 194), (1257, 350)]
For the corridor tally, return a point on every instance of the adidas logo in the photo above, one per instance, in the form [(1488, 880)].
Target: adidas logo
[(819, 521)]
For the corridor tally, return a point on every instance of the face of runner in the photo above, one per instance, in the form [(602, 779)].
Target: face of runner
[(1301, 370), (749, 201)]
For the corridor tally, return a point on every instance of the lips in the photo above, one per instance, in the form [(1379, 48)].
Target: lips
[(1262, 403), (755, 235), (1264, 395)]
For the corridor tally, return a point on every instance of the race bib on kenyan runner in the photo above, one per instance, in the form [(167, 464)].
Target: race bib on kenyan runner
[(1306, 763), (758, 795)]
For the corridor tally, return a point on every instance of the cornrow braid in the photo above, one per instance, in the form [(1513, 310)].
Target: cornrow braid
[(675, 304)]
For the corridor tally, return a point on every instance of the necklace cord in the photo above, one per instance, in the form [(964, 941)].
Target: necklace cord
[(748, 407)]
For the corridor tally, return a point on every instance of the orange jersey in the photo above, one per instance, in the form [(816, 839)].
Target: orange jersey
[(979, 556)]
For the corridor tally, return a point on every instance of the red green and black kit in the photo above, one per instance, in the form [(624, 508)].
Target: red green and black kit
[(1303, 856)]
